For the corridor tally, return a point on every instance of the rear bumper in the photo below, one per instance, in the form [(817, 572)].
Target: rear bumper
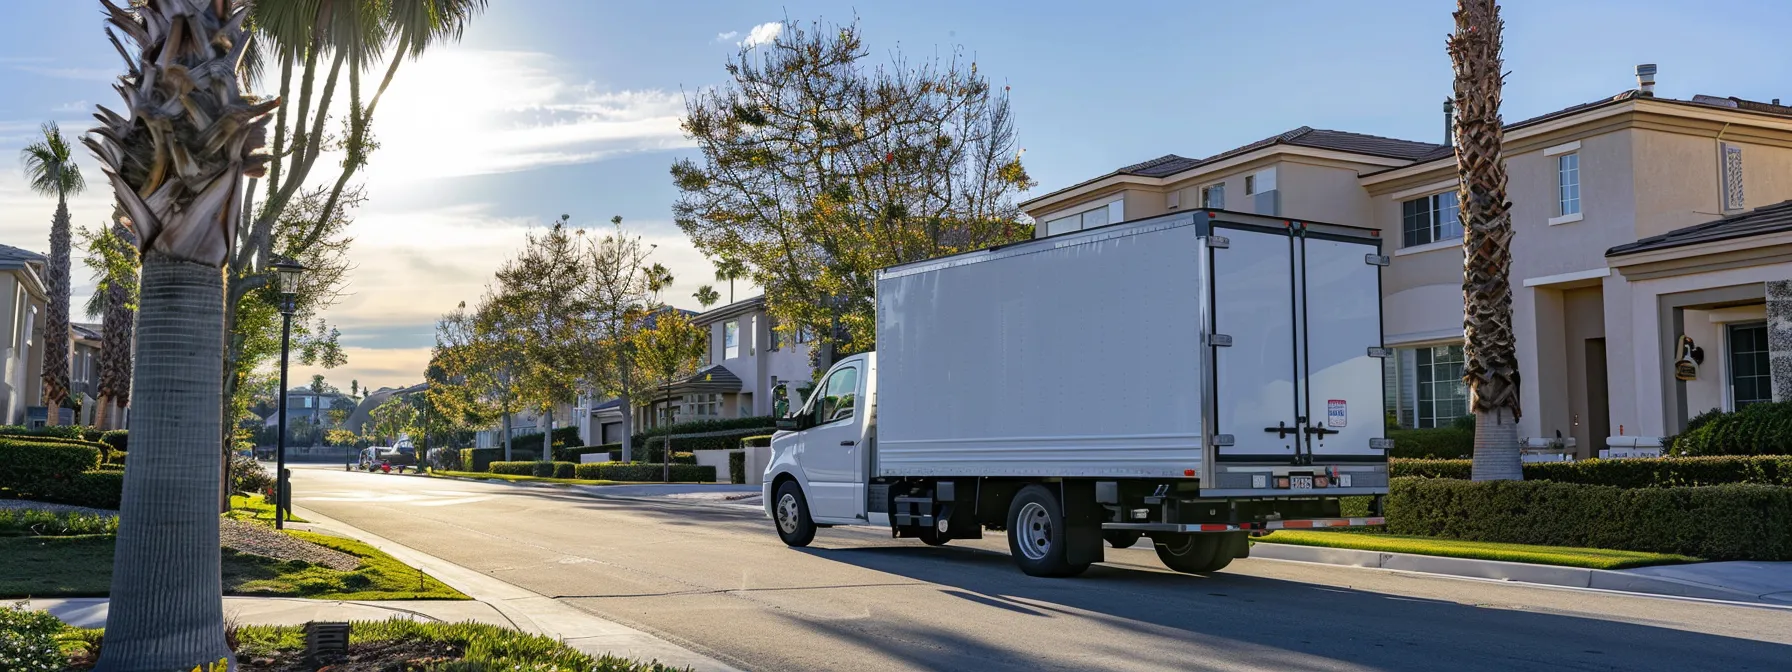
[(1266, 526)]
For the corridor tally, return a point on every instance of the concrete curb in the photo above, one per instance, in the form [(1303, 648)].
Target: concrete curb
[(1571, 577), (532, 612)]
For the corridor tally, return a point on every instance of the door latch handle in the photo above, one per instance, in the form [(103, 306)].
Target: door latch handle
[(1322, 431), (849, 443), (1282, 430)]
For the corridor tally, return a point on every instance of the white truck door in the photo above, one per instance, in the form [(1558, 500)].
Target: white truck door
[(831, 450), (1255, 375), (1342, 395)]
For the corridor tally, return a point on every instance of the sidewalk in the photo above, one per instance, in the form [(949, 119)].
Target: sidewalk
[(1762, 583), (531, 612)]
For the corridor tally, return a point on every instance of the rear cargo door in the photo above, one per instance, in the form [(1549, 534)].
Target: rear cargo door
[(1253, 343), (1340, 334)]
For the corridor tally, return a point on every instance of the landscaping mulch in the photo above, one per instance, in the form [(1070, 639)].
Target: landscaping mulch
[(260, 540), (362, 657)]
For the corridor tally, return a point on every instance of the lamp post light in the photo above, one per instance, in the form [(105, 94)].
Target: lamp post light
[(289, 273)]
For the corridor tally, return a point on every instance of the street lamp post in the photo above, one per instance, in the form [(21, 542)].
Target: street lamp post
[(289, 273)]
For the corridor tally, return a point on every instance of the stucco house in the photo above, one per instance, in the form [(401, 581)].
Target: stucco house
[(22, 300), (1625, 173)]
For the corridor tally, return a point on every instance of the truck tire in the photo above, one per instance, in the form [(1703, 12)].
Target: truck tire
[(1197, 553), (932, 536), (1122, 538), (791, 513), (1036, 534)]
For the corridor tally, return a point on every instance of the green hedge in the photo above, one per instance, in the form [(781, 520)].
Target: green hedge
[(564, 437), (97, 489), (1757, 429), (725, 440), (28, 463), (737, 468), (637, 471), (1440, 443), (534, 468), (479, 459), (760, 441), (572, 454), (1628, 473), (1723, 522), (704, 426), (118, 439)]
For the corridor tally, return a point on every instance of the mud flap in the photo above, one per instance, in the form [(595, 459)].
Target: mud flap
[(1084, 543)]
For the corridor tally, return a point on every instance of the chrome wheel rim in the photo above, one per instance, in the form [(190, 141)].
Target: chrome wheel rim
[(787, 513), (1033, 528)]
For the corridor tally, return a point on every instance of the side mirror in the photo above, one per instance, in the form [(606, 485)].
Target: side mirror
[(788, 424), (781, 402)]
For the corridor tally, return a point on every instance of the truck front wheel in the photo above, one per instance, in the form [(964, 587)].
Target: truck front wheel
[(795, 526), (1198, 553), (1036, 534)]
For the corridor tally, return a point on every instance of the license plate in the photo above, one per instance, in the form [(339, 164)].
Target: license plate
[(1300, 483)]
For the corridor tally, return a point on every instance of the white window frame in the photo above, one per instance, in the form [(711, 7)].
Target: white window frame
[(1207, 193), (1433, 200), (1567, 210), (1250, 185), (1063, 223), (731, 347)]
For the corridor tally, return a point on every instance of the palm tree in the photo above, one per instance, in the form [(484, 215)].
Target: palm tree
[(1491, 371), (112, 255), (706, 296), (177, 165), (728, 270), (51, 170), (658, 280)]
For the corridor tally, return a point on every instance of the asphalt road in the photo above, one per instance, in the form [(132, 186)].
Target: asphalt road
[(715, 578)]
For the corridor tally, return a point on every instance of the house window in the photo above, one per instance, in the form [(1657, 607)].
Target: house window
[(1214, 196), (1732, 178), (1442, 396), (1568, 184), (1428, 219), (701, 406), (1751, 376), (731, 339), (1087, 219), (1250, 185)]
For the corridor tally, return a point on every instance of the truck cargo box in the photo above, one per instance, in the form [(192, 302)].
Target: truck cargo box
[(1194, 345)]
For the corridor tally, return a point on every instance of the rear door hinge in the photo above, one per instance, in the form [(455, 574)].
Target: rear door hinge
[(1218, 242), (1217, 340), (1376, 259)]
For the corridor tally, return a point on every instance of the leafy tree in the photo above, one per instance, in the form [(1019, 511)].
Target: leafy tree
[(340, 409), (176, 165), (540, 308), (1491, 364), (618, 295), (354, 388), (392, 419), (706, 296), (817, 169), (477, 366), (112, 257), (339, 437), (50, 169), (669, 351)]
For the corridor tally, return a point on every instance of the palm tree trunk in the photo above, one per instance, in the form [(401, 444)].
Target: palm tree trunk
[(1491, 367), (56, 329), (165, 611), (99, 415)]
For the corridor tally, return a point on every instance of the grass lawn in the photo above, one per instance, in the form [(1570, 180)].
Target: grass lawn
[(1589, 558), (81, 566), (256, 509), (515, 478)]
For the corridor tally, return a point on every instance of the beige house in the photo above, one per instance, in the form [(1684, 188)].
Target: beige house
[(22, 300), (747, 358), (1582, 181)]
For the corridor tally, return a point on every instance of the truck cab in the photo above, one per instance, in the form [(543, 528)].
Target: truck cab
[(825, 448)]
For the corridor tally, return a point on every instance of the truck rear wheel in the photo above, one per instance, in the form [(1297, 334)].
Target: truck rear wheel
[(1036, 534), (1198, 553), (791, 513), (1122, 538)]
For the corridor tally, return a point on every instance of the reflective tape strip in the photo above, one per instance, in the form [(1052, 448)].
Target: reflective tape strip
[(1322, 522)]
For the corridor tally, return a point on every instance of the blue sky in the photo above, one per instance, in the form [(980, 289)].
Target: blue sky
[(571, 106)]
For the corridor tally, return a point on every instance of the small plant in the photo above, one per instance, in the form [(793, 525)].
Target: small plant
[(30, 640)]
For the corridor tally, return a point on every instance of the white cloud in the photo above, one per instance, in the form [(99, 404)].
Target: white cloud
[(724, 37), (762, 33), (469, 112)]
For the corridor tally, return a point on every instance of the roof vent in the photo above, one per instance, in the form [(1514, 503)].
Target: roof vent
[(1645, 79), (1714, 100)]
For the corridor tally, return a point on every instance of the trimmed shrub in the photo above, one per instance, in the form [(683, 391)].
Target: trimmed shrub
[(760, 441), (479, 459), (1723, 522), (1757, 429), (26, 463), (573, 454), (76, 432), (1660, 472), (118, 439), (637, 471), (513, 468), (1442, 443), (564, 437), (248, 477), (723, 440), (29, 640), (96, 489), (565, 470), (737, 468), (706, 426)]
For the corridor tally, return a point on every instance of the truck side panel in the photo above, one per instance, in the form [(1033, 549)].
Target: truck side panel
[(1072, 356)]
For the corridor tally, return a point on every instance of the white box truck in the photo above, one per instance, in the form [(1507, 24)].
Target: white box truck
[(1193, 378)]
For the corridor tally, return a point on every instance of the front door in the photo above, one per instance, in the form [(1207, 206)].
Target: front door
[(831, 449)]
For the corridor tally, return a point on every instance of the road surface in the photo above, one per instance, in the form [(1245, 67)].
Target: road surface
[(715, 578)]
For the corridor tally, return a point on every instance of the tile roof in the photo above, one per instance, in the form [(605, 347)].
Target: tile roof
[(86, 330), (1305, 136), (18, 254), (1767, 219), (714, 378)]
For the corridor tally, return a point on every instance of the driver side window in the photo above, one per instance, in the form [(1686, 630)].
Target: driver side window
[(838, 396)]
